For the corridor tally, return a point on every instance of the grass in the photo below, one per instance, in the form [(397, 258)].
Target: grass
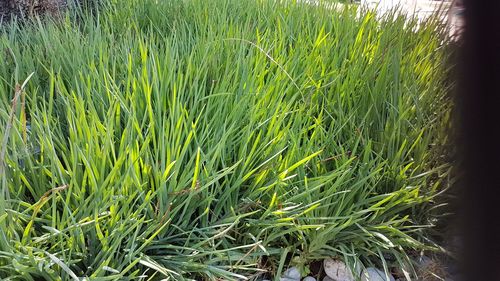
[(217, 140)]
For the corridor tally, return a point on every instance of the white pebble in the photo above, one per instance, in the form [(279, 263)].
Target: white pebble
[(309, 278), (292, 273), (373, 274), (326, 278), (337, 270)]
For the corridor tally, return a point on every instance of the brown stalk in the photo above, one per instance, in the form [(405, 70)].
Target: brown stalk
[(48, 193)]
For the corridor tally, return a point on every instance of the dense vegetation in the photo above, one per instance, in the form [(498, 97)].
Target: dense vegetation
[(217, 139)]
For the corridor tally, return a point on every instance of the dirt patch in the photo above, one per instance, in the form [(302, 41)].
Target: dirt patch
[(10, 9)]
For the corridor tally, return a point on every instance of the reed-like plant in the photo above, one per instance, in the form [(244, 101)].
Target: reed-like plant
[(217, 140)]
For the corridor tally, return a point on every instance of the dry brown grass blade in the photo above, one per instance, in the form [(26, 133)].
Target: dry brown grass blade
[(23, 117), (53, 190)]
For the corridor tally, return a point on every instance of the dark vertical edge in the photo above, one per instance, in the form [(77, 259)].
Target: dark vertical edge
[(477, 100)]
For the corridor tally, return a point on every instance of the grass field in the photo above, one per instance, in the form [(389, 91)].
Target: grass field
[(217, 140)]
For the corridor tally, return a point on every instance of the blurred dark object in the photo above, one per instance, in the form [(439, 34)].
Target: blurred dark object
[(478, 95), (456, 21)]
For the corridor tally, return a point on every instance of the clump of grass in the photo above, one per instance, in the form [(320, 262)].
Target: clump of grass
[(209, 139)]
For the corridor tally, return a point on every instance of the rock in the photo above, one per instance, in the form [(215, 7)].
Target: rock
[(292, 273), (288, 279), (326, 278), (424, 261), (373, 274), (309, 278), (337, 270)]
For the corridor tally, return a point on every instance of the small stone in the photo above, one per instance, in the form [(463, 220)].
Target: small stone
[(292, 273), (326, 278), (424, 261), (309, 278), (337, 270), (373, 274)]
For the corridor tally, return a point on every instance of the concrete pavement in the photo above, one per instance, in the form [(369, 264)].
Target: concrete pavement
[(449, 11)]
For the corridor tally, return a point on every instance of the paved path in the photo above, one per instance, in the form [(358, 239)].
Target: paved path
[(422, 9)]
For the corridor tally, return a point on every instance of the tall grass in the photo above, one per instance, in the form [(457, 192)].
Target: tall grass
[(217, 140)]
